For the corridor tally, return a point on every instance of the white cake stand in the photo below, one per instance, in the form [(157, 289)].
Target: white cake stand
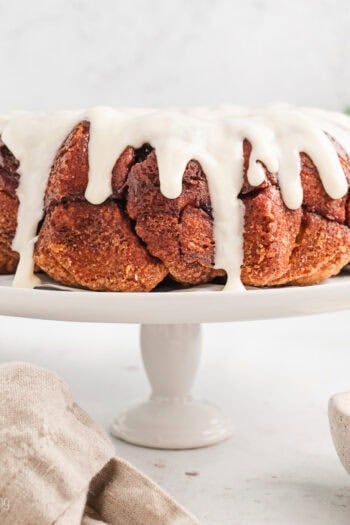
[(171, 343)]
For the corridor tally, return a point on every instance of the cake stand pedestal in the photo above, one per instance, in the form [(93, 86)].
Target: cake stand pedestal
[(171, 418), (171, 343)]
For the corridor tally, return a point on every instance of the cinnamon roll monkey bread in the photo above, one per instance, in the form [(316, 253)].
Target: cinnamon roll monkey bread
[(121, 200)]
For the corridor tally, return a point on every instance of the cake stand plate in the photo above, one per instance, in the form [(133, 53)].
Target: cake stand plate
[(171, 343)]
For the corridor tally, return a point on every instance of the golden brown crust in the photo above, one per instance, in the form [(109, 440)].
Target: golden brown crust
[(315, 197), (8, 209), (69, 173), (270, 230), (8, 223), (321, 249), (94, 247), (166, 226), (138, 237)]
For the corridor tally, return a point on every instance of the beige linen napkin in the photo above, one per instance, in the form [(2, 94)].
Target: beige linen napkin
[(57, 466)]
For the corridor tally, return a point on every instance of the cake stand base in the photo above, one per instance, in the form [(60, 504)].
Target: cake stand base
[(171, 419)]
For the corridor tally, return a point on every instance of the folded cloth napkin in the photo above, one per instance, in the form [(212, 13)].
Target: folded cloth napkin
[(58, 467)]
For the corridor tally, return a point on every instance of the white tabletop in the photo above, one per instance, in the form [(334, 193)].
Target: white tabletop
[(273, 377)]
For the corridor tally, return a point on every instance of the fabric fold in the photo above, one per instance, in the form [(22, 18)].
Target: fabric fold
[(57, 466)]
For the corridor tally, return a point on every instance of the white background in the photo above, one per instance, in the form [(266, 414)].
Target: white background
[(76, 53), (273, 378)]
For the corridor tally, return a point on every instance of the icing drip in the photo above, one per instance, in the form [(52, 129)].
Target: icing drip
[(33, 140), (212, 136)]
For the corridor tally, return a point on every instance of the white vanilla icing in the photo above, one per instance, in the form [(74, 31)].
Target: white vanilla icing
[(212, 136)]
